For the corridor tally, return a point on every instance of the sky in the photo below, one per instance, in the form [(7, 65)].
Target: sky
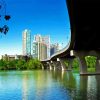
[(45, 17)]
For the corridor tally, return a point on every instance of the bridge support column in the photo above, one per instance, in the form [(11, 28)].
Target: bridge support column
[(42, 67), (82, 65), (50, 67), (81, 58), (54, 65), (58, 65), (62, 63), (70, 60), (97, 69)]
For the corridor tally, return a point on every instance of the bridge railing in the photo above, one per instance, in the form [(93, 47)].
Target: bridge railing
[(59, 52), (62, 50)]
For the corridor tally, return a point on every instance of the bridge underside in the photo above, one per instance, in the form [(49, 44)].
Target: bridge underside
[(84, 21), (85, 24)]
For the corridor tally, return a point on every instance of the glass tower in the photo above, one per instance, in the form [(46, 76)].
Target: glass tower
[(26, 42), (40, 47)]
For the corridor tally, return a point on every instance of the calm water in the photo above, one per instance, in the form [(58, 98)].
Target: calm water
[(48, 85)]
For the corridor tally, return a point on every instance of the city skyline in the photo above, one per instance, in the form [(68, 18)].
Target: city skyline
[(45, 17)]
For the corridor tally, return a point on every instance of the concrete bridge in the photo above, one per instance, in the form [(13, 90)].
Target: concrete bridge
[(85, 41)]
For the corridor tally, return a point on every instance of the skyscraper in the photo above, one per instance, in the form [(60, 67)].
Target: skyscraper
[(40, 47), (35, 49), (43, 51), (26, 42)]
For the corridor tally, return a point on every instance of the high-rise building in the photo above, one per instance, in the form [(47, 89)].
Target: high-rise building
[(43, 51), (41, 47), (38, 38), (35, 49), (46, 41), (26, 42)]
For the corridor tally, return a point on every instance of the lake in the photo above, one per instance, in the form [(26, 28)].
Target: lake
[(48, 85)]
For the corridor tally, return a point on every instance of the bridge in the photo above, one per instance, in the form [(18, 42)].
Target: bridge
[(85, 41)]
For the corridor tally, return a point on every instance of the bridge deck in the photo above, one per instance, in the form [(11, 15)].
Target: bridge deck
[(85, 23)]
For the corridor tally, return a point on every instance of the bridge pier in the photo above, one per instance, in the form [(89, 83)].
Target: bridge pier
[(42, 66), (70, 60), (57, 65), (62, 63), (82, 62), (97, 69), (47, 65), (50, 66), (82, 65), (64, 66), (54, 65), (81, 58)]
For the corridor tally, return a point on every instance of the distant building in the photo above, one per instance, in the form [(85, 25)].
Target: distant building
[(26, 42), (43, 51), (13, 57), (35, 50), (10, 57), (46, 41), (54, 48), (41, 47), (38, 38)]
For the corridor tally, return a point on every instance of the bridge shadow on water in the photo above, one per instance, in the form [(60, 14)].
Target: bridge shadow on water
[(78, 87)]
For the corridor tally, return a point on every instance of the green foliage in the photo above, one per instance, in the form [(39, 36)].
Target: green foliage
[(66, 63), (91, 61), (36, 64), (91, 69), (75, 63), (2, 65), (30, 64), (20, 64)]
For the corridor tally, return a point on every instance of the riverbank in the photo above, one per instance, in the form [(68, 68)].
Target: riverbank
[(20, 64)]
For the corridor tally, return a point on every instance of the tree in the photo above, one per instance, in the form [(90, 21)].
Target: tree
[(2, 65), (34, 64), (91, 61), (20, 64)]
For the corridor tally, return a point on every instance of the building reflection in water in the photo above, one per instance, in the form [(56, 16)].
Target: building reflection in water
[(25, 87), (43, 83), (72, 85), (79, 87)]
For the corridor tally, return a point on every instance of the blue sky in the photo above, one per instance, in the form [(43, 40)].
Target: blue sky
[(45, 17)]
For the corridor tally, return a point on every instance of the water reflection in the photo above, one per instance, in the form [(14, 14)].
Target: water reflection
[(25, 87), (79, 87), (48, 85)]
